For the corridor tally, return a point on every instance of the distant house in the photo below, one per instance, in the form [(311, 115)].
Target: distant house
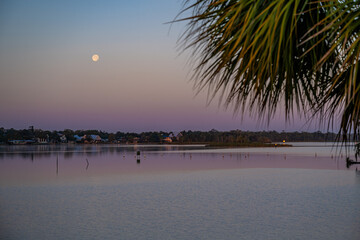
[(121, 140), (95, 138), (167, 139), (178, 136), (42, 140), (78, 138), (88, 139), (62, 137)]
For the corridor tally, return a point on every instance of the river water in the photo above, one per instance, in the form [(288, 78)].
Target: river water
[(178, 192)]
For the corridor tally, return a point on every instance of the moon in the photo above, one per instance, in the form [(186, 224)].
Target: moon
[(95, 58)]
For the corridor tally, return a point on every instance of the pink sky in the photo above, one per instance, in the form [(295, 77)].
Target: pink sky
[(139, 84)]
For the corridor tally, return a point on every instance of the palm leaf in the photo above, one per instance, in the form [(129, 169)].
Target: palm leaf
[(261, 54)]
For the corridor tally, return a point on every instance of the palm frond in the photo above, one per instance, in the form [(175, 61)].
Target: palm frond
[(259, 54), (342, 91)]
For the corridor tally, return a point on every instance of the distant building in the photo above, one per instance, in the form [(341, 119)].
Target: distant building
[(62, 137), (167, 139), (178, 136), (121, 140), (42, 140), (95, 138), (78, 138), (88, 139)]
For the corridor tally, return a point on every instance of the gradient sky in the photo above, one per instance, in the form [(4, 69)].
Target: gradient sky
[(140, 83)]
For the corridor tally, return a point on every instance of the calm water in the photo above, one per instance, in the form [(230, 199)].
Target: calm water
[(177, 192)]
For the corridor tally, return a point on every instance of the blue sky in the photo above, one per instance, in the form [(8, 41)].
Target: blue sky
[(139, 84)]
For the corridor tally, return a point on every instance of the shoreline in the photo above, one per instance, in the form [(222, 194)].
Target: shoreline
[(206, 144)]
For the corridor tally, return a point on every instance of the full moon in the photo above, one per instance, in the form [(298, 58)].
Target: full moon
[(95, 57)]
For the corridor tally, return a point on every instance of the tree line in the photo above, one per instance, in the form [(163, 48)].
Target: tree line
[(243, 137), (183, 137)]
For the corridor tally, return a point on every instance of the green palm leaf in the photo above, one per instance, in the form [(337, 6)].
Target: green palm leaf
[(259, 54)]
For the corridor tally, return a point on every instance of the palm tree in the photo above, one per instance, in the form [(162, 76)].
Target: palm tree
[(259, 54)]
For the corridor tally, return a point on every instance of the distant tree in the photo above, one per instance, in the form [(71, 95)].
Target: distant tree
[(69, 134), (2, 134), (40, 134), (13, 134), (154, 137), (103, 135), (111, 138), (89, 138), (119, 135), (54, 137), (27, 134)]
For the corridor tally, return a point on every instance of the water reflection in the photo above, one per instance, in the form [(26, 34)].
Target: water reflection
[(148, 192), (19, 164), (68, 151)]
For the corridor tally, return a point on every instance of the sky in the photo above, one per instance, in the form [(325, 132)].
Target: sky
[(140, 83)]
